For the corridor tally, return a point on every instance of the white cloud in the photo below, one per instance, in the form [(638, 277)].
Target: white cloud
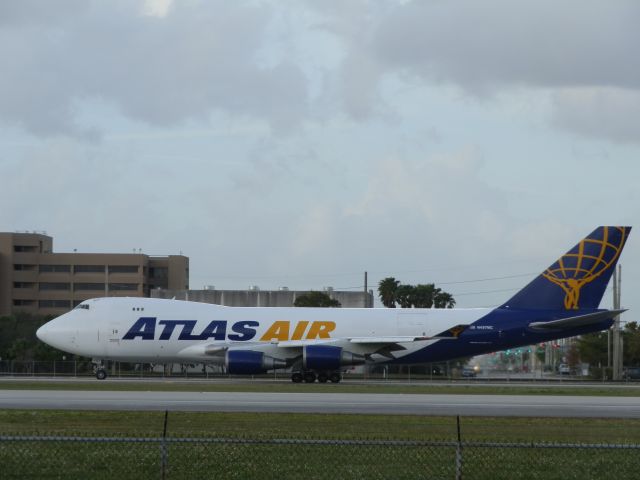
[(497, 45), (196, 59), (157, 8), (607, 112), (499, 42)]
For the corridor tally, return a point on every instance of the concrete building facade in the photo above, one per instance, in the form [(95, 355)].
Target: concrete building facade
[(35, 279), (262, 298)]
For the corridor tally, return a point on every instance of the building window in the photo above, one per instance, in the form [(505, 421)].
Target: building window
[(19, 267), (55, 268), (123, 286), (54, 286), (25, 248), (89, 269), (54, 304), (88, 286), (123, 269), (23, 284), (159, 273), (23, 303)]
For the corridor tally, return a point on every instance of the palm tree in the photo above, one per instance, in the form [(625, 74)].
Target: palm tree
[(424, 295), (406, 296), (443, 300), (387, 289)]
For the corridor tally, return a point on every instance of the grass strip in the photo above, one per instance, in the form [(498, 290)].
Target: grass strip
[(320, 426), (251, 460)]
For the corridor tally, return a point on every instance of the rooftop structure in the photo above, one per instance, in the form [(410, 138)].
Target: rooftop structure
[(254, 297)]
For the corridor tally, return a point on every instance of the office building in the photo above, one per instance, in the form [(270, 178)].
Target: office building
[(35, 279)]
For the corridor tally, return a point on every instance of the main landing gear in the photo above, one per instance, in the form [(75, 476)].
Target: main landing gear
[(311, 377), (99, 369)]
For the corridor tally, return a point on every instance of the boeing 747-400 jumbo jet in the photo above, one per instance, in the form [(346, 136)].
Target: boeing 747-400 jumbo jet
[(319, 343)]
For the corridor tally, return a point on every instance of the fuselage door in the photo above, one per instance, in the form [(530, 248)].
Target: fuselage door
[(113, 334)]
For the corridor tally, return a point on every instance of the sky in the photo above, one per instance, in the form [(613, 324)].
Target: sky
[(301, 143)]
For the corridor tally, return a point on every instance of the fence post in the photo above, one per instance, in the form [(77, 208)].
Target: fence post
[(458, 451), (164, 460)]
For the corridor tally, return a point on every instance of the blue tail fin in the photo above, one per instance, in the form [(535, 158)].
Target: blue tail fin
[(579, 278)]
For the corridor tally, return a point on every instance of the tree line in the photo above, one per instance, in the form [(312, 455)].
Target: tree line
[(394, 293), (592, 348), (18, 339)]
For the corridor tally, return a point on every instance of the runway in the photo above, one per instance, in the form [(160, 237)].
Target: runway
[(356, 403)]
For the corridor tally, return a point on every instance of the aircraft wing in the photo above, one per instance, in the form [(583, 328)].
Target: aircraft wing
[(377, 345), (573, 322), (364, 345)]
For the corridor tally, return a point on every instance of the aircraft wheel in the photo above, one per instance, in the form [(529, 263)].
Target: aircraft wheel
[(296, 377), (335, 377), (101, 374), (323, 377), (309, 377)]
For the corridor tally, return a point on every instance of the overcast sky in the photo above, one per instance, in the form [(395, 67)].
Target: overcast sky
[(300, 143)]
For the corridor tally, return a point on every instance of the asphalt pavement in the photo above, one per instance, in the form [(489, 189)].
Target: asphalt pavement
[(358, 403)]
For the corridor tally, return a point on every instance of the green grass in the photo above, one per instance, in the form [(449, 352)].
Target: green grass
[(296, 425), (287, 387), (122, 460)]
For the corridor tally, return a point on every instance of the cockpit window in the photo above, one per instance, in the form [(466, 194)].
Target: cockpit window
[(83, 306)]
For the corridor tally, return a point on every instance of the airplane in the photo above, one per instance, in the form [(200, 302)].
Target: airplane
[(320, 343)]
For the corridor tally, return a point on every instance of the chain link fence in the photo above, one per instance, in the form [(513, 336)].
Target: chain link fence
[(68, 457), (84, 368), (124, 370)]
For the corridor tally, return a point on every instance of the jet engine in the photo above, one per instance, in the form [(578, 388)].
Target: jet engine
[(328, 357), (250, 362)]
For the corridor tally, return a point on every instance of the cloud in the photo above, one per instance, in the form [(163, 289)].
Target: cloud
[(406, 205), (194, 59), (607, 112), (168, 63), (571, 49), (491, 44)]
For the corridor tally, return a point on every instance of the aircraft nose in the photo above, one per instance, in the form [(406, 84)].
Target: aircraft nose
[(55, 333), (44, 332)]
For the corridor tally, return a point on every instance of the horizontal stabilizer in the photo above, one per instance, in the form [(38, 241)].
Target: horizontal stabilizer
[(579, 321)]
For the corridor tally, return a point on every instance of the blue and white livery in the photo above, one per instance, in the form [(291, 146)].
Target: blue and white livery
[(318, 343)]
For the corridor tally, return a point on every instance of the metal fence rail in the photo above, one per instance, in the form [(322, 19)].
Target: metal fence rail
[(72, 457), (125, 370)]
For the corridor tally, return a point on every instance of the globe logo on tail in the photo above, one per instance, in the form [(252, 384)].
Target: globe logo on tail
[(583, 264)]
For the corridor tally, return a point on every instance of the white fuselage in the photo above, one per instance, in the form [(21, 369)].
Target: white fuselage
[(156, 330)]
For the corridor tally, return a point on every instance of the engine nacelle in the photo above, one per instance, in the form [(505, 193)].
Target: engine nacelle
[(328, 357), (248, 362)]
